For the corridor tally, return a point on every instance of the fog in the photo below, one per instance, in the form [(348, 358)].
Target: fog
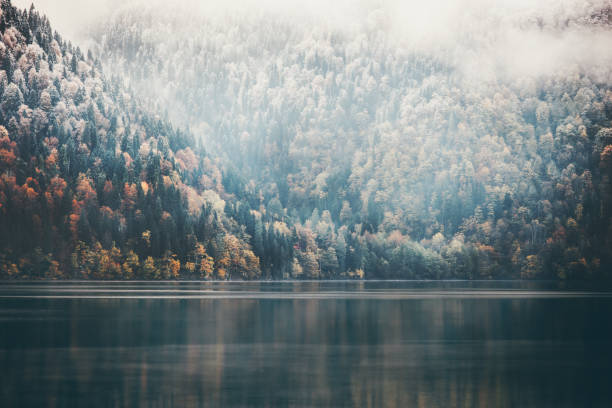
[(71, 17), (486, 39)]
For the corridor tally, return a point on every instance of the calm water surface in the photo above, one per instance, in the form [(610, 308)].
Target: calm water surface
[(379, 344)]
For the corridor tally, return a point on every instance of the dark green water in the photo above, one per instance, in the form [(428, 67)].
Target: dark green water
[(425, 344)]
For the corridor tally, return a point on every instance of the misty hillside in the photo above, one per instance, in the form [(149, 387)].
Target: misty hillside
[(491, 157), (93, 184), (343, 144)]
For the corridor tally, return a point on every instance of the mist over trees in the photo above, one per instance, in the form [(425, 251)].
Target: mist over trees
[(255, 145), (95, 186)]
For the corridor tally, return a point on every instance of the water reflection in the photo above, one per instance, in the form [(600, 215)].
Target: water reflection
[(426, 352)]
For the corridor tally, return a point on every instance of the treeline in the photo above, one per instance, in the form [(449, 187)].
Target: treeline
[(345, 157), (384, 159)]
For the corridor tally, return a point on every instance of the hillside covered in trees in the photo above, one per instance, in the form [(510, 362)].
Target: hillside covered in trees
[(93, 185), (255, 145)]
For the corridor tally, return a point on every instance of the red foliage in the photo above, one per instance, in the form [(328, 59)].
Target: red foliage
[(8, 152), (84, 190), (130, 192)]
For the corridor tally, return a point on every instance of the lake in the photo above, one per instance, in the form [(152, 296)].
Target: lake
[(237, 344)]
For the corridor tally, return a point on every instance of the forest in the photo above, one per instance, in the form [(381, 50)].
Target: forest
[(173, 149)]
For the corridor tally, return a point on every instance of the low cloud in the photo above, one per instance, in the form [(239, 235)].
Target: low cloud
[(485, 39)]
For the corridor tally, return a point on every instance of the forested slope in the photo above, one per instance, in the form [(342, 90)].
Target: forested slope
[(332, 152), (400, 157), (92, 184)]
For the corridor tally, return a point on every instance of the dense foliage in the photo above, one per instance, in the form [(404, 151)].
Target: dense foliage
[(393, 158), (92, 185), (339, 154)]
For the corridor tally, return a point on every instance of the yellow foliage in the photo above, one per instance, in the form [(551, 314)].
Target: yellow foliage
[(175, 267), (531, 268), (149, 270), (146, 237), (206, 266), (54, 271), (145, 187)]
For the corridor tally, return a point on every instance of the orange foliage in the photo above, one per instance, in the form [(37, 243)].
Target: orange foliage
[(606, 157), (145, 187), (74, 225), (25, 195), (108, 187), (84, 190), (8, 183), (7, 158), (129, 197), (57, 187), (51, 160), (30, 193), (106, 212), (174, 266), (74, 219)]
